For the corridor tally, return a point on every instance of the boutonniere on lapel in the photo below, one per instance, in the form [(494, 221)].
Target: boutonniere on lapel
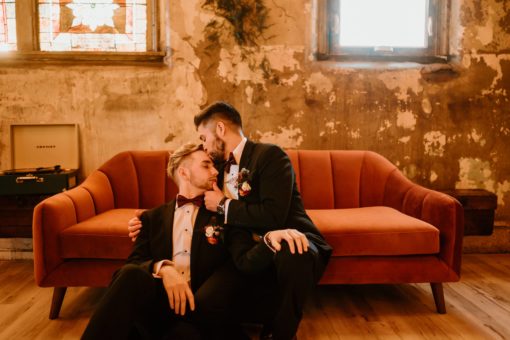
[(243, 183), (213, 231)]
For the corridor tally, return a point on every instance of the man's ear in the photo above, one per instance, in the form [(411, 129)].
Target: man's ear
[(221, 128), (183, 173)]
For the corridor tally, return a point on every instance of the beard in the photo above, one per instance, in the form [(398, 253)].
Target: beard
[(204, 184), (218, 152)]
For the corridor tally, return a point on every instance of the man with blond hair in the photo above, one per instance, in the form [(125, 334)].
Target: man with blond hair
[(179, 277)]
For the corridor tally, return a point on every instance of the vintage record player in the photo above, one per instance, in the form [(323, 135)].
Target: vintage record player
[(44, 159)]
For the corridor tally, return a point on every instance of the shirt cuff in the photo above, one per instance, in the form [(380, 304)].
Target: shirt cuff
[(227, 202), (267, 241), (157, 267)]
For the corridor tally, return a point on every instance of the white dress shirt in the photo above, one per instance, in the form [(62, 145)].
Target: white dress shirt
[(230, 179), (184, 220), (231, 192)]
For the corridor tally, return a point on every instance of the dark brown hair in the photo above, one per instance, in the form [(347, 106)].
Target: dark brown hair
[(221, 110)]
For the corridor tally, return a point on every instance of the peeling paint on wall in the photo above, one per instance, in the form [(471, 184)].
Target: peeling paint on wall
[(403, 81), (318, 83), (290, 81), (433, 176), (426, 106), (434, 142), (404, 139), (384, 126), (282, 58), (249, 94), (486, 33), (410, 171), (474, 173), (234, 69), (502, 191), (290, 138), (355, 134), (494, 62), (406, 120), (476, 137)]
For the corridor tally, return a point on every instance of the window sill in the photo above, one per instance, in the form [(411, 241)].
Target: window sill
[(379, 61), (439, 71), (109, 58)]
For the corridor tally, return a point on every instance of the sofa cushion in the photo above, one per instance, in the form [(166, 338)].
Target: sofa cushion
[(379, 231), (103, 236)]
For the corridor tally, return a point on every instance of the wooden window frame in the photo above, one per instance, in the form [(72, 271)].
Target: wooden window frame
[(27, 35), (436, 51)]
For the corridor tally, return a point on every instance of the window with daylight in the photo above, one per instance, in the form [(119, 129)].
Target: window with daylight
[(7, 25), (93, 25), (383, 29), (83, 30)]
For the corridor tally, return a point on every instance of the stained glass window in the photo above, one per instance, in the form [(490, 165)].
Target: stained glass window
[(7, 25), (93, 25)]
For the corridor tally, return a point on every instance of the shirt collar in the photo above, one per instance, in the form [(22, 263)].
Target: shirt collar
[(238, 151)]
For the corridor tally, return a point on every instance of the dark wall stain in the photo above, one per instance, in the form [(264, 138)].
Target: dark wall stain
[(504, 22), (170, 137), (439, 73), (115, 103), (504, 83)]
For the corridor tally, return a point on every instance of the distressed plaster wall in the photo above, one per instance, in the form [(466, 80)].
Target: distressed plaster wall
[(443, 128)]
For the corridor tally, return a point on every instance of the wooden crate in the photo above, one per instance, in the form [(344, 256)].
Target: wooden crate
[(479, 207)]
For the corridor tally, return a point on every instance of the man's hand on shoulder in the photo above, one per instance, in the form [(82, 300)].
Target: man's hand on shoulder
[(294, 238), (134, 225), (177, 289)]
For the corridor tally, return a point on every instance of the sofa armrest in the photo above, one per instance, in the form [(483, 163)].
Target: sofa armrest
[(58, 212), (51, 216), (438, 209), (446, 213)]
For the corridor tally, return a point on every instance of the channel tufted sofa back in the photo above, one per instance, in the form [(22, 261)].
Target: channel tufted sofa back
[(80, 236)]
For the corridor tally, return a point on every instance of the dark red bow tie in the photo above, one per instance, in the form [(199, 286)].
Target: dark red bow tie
[(198, 200), (230, 161)]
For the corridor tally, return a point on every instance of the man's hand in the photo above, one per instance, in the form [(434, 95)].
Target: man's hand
[(294, 238), (134, 225), (177, 290), (212, 198)]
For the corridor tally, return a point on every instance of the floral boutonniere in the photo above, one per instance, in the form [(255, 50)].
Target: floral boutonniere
[(243, 184), (213, 231)]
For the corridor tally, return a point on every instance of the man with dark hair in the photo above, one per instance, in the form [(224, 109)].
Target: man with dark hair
[(259, 193)]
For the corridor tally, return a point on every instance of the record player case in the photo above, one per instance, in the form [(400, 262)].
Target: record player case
[(44, 162)]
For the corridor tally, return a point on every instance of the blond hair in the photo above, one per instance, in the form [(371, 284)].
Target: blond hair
[(179, 155)]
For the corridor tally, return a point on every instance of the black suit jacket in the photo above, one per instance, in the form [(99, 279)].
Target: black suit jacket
[(274, 201), (154, 243)]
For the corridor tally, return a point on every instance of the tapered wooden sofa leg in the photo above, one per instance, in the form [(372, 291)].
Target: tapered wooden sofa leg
[(437, 291), (56, 301)]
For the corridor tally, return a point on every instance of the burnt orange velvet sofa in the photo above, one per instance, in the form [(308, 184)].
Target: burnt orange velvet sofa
[(383, 228)]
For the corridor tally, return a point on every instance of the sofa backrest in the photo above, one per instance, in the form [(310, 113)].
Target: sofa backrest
[(138, 179), (333, 179), (327, 179)]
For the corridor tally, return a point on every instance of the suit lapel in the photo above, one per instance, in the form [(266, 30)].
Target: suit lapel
[(246, 155), (168, 222), (201, 221), (246, 162), (221, 174)]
